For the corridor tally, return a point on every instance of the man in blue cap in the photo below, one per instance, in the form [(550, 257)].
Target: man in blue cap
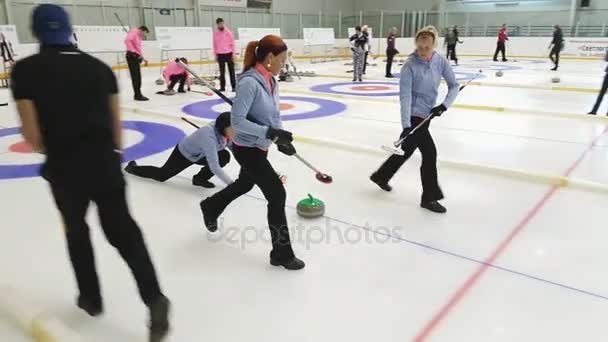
[(69, 109)]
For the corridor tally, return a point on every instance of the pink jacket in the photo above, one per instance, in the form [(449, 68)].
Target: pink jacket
[(173, 68), (223, 41), (133, 42), (502, 35)]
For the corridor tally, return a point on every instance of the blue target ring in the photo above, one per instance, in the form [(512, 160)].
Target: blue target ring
[(157, 138), (329, 88), (205, 110)]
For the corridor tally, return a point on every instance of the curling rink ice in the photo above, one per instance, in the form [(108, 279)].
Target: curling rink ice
[(520, 256)]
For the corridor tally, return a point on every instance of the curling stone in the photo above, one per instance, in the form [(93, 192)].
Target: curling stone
[(555, 79), (499, 73), (311, 207), (160, 81), (170, 92)]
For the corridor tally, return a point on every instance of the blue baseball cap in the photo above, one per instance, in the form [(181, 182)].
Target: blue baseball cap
[(51, 25)]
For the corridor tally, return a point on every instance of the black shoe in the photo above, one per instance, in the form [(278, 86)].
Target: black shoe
[(434, 206), (381, 183), (223, 90), (355, 79), (159, 319), (554, 69), (209, 220), (92, 307), (592, 113), (360, 79), (495, 60), (389, 76), (292, 265), (140, 98), (505, 60), (205, 183), (130, 166), (181, 91)]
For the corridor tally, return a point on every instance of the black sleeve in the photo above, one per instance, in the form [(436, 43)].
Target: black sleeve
[(22, 83), (112, 82)]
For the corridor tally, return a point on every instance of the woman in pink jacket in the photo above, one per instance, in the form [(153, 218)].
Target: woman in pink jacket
[(174, 73)]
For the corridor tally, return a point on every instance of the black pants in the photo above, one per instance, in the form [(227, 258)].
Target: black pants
[(452, 53), (122, 232), (176, 164), (422, 140), (554, 55), (181, 78), (256, 170), (224, 59), (600, 96), (365, 61), (134, 61), (390, 56), (500, 47)]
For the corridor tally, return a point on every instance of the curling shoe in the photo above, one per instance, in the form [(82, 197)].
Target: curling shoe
[(292, 265), (209, 220), (381, 183), (93, 307), (159, 319), (434, 206)]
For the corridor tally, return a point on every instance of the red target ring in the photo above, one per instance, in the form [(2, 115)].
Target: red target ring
[(21, 147), (370, 88)]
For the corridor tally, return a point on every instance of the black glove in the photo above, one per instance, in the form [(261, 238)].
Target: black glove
[(405, 133), (279, 136), (437, 111), (287, 149)]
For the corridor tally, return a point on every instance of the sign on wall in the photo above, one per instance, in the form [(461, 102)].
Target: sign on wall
[(224, 3), (585, 47), (319, 36), (184, 38), (100, 38), (248, 34), (9, 41)]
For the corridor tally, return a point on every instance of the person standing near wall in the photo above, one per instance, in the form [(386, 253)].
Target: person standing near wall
[(391, 51), (450, 41), (358, 41), (368, 46), (223, 48), (418, 93), (556, 46), (500, 45), (69, 109), (135, 57), (600, 96)]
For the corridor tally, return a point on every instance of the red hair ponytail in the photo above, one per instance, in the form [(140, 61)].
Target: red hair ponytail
[(250, 58), (257, 51)]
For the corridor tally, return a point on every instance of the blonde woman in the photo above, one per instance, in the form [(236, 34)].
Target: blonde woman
[(420, 77)]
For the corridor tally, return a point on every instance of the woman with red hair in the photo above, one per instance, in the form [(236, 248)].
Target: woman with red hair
[(257, 124)]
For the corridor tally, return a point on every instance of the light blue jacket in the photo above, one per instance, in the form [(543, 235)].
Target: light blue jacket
[(255, 109), (206, 142), (419, 83)]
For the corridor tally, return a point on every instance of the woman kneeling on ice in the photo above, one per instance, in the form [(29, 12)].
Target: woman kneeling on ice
[(257, 124), (206, 146), (420, 77)]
